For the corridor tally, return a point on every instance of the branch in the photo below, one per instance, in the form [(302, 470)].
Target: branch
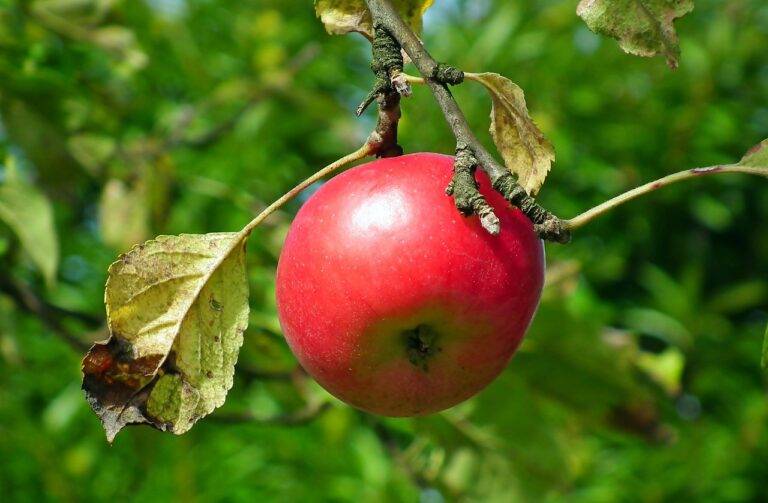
[(589, 215), (152, 147), (268, 90), (389, 442), (48, 315), (436, 75)]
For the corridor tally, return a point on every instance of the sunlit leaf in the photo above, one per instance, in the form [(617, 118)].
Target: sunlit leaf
[(123, 215), (91, 151), (121, 43), (525, 149), (114, 38), (177, 307), (28, 212), (666, 368), (765, 350), (345, 16), (757, 156), (642, 27), (79, 11)]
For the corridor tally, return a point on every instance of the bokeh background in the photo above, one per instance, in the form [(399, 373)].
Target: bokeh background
[(640, 379)]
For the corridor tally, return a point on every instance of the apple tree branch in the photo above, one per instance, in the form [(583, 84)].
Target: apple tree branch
[(438, 77)]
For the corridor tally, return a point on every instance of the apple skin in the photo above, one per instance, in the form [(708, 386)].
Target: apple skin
[(396, 303)]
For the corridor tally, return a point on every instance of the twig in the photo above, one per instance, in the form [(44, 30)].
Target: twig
[(589, 215), (389, 442), (370, 147), (547, 225), (151, 147), (593, 213), (177, 139), (27, 300)]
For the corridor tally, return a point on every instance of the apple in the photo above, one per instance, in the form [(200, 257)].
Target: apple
[(396, 303)]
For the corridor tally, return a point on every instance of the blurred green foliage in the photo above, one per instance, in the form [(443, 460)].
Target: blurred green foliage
[(640, 379)]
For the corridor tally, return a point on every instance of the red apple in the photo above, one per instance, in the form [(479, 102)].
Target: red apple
[(395, 302)]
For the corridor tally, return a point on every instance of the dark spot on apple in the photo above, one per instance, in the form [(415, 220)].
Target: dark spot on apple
[(421, 345)]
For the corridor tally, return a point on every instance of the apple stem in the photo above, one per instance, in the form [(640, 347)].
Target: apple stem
[(466, 196), (367, 149), (382, 142), (386, 64), (601, 209), (437, 76)]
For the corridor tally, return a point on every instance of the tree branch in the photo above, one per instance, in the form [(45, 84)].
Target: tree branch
[(547, 225), (48, 315), (589, 215), (267, 90)]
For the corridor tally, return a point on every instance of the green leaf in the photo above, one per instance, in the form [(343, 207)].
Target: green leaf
[(123, 214), (29, 214), (757, 156), (525, 149), (665, 368), (765, 350), (77, 11), (114, 38), (344, 16), (177, 307), (91, 150), (642, 27)]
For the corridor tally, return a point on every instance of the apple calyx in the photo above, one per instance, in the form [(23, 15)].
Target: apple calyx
[(421, 345)]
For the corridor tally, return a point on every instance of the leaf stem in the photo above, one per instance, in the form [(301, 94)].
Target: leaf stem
[(367, 149), (591, 214)]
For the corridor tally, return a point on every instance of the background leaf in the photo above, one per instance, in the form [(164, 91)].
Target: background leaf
[(123, 214), (91, 151), (345, 16), (757, 156), (177, 307), (642, 27), (525, 149), (28, 212)]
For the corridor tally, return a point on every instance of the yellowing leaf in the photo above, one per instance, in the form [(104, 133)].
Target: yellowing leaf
[(123, 215), (757, 156), (344, 16), (29, 214), (525, 150), (642, 27), (177, 307)]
